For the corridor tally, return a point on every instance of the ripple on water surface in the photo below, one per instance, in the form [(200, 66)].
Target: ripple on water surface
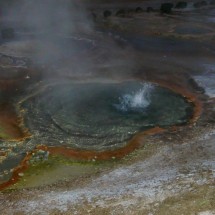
[(101, 116)]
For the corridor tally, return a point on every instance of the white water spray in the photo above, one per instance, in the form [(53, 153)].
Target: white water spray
[(137, 100)]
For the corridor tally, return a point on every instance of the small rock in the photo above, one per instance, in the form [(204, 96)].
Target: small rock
[(121, 13), (166, 8), (181, 5), (21, 174), (46, 156), (41, 152), (149, 9), (107, 13), (138, 10)]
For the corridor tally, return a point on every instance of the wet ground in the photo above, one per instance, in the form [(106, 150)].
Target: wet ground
[(167, 171)]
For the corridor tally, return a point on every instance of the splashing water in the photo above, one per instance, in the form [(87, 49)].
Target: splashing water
[(136, 101)]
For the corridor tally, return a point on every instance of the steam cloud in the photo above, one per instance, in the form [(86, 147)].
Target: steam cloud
[(53, 25)]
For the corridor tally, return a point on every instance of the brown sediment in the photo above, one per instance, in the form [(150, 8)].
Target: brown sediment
[(6, 85), (10, 124), (10, 83), (3, 153)]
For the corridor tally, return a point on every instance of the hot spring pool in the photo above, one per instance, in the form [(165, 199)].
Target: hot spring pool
[(101, 116)]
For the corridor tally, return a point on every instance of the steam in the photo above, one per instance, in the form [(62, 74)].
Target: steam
[(51, 25), (136, 101), (49, 17), (56, 34)]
